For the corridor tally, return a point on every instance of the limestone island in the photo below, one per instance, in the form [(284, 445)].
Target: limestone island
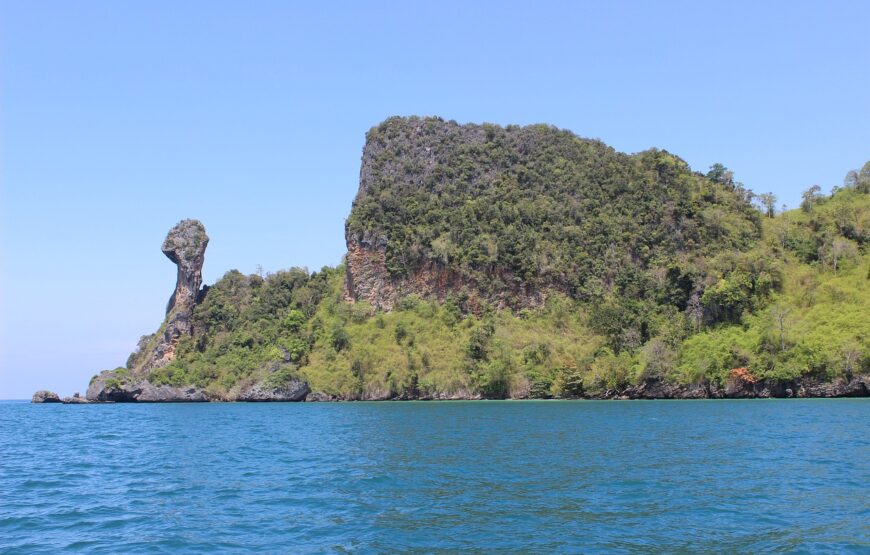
[(488, 262)]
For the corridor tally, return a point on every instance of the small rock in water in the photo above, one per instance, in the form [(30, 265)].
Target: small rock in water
[(76, 399), (45, 396)]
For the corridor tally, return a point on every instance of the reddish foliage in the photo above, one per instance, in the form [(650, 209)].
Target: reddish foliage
[(743, 374)]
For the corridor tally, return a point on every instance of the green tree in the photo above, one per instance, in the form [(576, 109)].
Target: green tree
[(340, 338), (720, 174), (294, 320), (810, 198), (768, 201)]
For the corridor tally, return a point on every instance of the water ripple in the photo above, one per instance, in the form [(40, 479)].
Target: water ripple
[(514, 477)]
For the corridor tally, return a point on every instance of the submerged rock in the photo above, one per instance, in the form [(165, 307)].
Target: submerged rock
[(45, 396)]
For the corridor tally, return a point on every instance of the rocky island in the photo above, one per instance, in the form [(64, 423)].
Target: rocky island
[(488, 262)]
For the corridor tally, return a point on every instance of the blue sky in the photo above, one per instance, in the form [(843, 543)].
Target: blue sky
[(117, 119)]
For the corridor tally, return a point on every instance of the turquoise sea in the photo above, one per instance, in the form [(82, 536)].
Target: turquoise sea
[(431, 477)]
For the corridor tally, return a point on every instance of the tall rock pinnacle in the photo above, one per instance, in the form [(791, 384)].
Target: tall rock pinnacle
[(185, 245)]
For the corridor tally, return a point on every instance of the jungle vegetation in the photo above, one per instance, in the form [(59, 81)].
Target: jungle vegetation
[(651, 270)]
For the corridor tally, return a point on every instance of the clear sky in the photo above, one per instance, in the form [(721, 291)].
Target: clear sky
[(117, 119)]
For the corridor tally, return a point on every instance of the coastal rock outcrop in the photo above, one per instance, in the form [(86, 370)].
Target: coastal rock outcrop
[(858, 386), (743, 385), (320, 397), (660, 389), (45, 396), (294, 390), (184, 245), (109, 387)]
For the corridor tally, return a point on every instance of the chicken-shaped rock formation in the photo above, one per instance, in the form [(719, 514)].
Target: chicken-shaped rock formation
[(185, 245)]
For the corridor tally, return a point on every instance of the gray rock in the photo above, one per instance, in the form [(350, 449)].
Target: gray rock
[(293, 390), (856, 387), (107, 387), (184, 245), (737, 388), (76, 399), (150, 393), (460, 395), (741, 389), (656, 388), (320, 397), (44, 396), (652, 389)]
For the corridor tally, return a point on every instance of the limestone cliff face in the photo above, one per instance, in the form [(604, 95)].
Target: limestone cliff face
[(367, 279), (367, 276), (366, 272), (185, 245), (413, 154)]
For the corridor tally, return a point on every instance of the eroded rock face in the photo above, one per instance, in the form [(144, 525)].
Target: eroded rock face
[(737, 387), (76, 399), (657, 388), (295, 390), (320, 397), (44, 396), (367, 278), (184, 245), (366, 271), (858, 386), (109, 387)]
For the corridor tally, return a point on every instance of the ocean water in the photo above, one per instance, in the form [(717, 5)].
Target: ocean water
[(487, 476)]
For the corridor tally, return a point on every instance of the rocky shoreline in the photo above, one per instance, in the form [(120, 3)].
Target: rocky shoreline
[(45, 396), (653, 389), (299, 391)]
